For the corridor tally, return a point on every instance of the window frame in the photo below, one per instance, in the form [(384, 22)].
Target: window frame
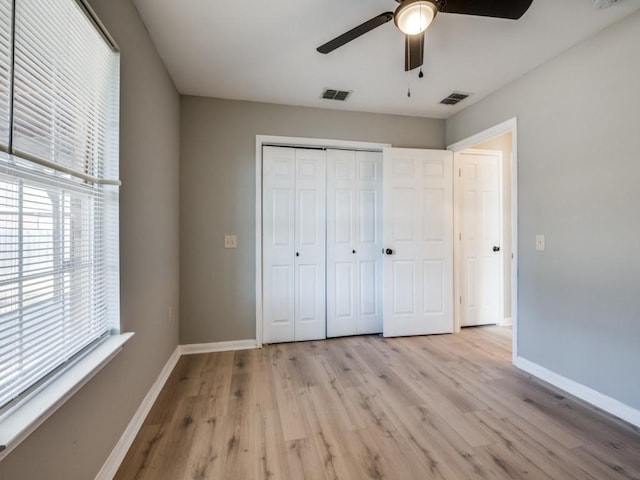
[(22, 416)]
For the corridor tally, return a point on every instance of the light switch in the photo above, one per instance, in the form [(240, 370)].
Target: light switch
[(230, 241), (540, 243)]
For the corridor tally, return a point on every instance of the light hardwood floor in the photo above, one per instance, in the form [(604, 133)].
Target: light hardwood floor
[(437, 407)]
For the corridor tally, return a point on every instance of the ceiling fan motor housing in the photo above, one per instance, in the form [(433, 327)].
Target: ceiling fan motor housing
[(414, 16)]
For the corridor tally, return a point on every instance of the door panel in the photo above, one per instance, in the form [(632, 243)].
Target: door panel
[(434, 289), (369, 242), (344, 217), (344, 282), (369, 221), (404, 287), (293, 244), (402, 219), (433, 220), (341, 241), (307, 293), (418, 228), (278, 244), (369, 275), (280, 281), (310, 218), (354, 185), (481, 282)]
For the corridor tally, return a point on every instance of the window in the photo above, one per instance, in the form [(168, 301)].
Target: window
[(59, 260)]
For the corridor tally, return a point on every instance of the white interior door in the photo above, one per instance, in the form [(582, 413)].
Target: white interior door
[(310, 260), (481, 256), (278, 244), (354, 242), (293, 243), (418, 239), (369, 241)]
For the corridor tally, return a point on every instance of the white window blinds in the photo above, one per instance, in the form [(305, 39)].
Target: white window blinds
[(59, 285), (64, 89), (6, 34)]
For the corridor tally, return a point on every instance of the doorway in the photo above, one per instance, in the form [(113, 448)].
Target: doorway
[(498, 141)]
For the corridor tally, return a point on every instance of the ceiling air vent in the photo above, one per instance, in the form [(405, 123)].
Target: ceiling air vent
[(331, 94), (454, 98)]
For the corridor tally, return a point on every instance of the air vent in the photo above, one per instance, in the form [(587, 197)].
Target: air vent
[(332, 94), (454, 98)]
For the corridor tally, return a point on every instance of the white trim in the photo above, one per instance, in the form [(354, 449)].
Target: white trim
[(589, 395), (485, 135), (110, 467), (218, 347), (508, 126), (258, 212), (506, 322), (287, 142), (19, 423)]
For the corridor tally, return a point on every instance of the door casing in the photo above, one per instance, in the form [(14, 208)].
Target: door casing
[(508, 126)]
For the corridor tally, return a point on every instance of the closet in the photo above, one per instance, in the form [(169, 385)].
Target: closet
[(332, 267), (322, 243)]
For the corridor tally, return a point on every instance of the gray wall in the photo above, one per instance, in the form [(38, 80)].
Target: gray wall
[(579, 184), (74, 443), (217, 197)]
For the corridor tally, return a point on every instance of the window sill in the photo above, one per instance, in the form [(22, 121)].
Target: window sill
[(17, 424)]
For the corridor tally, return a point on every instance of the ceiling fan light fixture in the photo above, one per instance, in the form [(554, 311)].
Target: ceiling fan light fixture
[(414, 16)]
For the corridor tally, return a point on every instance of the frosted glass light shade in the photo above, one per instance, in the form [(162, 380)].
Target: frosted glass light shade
[(414, 16)]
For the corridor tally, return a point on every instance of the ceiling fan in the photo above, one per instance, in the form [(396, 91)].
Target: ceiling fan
[(413, 17)]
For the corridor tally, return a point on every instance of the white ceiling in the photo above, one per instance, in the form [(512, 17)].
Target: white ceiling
[(266, 50)]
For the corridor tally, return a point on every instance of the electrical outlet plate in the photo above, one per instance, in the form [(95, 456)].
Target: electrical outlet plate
[(230, 241), (540, 243)]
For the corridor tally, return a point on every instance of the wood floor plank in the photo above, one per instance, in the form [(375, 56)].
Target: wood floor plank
[(444, 407), (270, 448)]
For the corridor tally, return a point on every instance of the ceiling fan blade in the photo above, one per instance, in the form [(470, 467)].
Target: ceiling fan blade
[(354, 33), (511, 9), (413, 51)]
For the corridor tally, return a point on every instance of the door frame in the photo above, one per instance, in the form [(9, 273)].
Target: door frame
[(508, 126), (291, 142), (457, 245)]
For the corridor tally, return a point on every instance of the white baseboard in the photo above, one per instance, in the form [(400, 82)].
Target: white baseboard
[(110, 467), (218, 347), (589, 395)]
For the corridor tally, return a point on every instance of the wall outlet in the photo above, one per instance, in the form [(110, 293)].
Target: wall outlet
[(230, 241), (540, 243)]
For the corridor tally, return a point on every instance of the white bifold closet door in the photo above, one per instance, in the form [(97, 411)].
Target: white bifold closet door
[(354, 242), (294, 233), (418, 241)]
